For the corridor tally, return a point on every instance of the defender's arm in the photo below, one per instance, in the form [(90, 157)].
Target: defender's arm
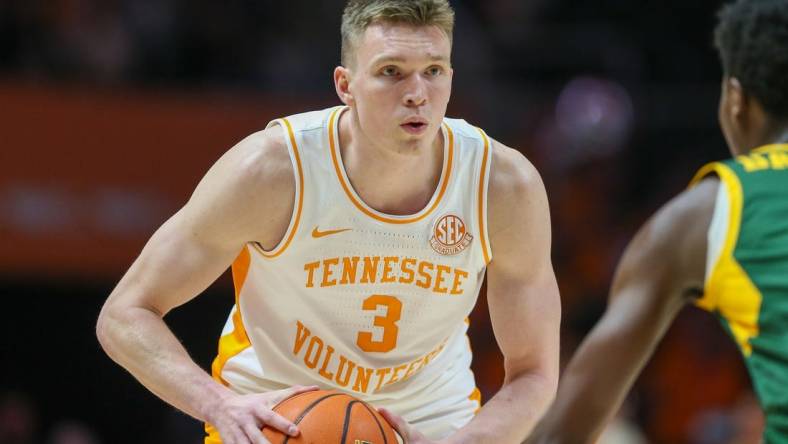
[(662, 269)]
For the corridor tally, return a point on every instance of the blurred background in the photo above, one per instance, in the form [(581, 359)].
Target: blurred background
[(111, 111)]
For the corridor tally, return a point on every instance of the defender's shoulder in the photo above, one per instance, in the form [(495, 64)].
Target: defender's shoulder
[(694, 204)]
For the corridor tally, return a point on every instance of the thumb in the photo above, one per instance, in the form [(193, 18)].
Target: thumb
[(400, 425)]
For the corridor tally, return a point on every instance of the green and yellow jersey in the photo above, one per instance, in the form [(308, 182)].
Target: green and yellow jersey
[(746, 281)]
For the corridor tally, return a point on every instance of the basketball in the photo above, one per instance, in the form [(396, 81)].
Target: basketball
[(328, 417)]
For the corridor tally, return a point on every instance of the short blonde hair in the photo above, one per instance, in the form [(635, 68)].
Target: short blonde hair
[(359, 14)]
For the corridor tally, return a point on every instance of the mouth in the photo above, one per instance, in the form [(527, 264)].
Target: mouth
[(414, 126)]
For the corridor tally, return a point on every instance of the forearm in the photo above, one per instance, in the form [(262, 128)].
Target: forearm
[(510, 415), (592, 390), (140, 341), (599, 376)]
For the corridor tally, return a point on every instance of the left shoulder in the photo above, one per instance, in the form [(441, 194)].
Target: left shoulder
[(510, 170), (515, 186), (518, 213)]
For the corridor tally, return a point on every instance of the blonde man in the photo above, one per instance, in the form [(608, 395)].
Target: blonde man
[(364, 232)]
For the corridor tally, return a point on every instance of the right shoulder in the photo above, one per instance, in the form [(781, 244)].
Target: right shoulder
[(248, 193), (257, 164), (260, 159)]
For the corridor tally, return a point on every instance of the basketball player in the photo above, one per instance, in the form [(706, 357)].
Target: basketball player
[(722, 245), (364, 231)]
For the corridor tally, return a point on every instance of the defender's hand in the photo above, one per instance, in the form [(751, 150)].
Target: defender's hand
[(239, 418)]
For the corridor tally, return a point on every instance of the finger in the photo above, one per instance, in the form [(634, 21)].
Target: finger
[(399, 424), (277, 421), (232, 436), (292, 391), (255, 435)]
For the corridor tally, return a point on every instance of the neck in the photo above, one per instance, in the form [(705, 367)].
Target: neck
[(389, 177), (782, 135), (354, 139), (768, 136), (765, 130)]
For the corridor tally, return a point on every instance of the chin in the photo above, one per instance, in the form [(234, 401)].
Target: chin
[(411, 142)]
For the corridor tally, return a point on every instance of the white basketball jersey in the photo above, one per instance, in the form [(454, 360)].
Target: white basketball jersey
[(360, 301)]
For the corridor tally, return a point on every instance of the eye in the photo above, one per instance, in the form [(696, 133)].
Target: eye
[(389, 71), (434, 71)]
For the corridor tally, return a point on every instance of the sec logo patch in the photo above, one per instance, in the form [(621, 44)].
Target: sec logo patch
[(450, 235)]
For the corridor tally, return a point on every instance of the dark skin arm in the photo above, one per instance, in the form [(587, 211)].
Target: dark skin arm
[(662, 270)]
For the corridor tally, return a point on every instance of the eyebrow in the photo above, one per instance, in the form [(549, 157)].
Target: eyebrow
[(395, 59)]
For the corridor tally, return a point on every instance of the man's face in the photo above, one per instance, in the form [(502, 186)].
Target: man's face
[(400, 81)]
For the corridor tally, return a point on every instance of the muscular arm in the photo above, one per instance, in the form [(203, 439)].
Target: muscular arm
[(524, 302), (661, 270), (525, 307), (249, 188)]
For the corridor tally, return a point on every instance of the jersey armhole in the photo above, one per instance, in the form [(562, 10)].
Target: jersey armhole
[(295, 158), (723, 231), (482, 185)]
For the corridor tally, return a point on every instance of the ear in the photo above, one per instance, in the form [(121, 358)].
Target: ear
[(342, 85), (737, 99)]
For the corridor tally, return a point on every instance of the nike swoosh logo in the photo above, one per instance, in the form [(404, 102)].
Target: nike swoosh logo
[(317, 233)]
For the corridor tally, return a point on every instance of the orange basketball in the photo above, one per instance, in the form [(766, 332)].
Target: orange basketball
[(331, 417)]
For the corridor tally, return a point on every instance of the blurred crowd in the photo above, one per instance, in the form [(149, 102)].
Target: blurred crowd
[(614, 101)]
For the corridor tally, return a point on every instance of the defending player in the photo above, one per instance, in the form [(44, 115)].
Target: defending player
[(722, 244), (364, 233)]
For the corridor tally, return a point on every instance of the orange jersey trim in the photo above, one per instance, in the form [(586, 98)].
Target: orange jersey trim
[(300, 191), (237, 340), (482, 207), (213, 435), (445, 176), (476, 394)]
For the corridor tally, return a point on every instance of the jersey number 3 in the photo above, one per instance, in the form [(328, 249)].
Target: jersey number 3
[(387, 322)]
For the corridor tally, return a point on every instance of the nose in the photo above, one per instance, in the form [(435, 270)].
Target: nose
[(415, 91)]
